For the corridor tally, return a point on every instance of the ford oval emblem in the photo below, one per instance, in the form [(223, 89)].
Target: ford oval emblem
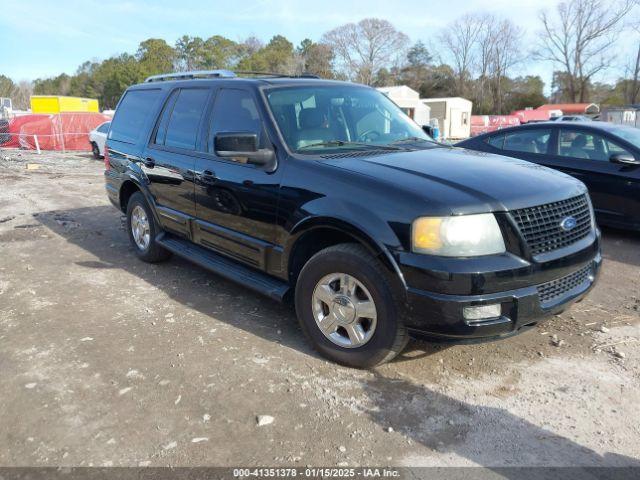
[(568, 224)]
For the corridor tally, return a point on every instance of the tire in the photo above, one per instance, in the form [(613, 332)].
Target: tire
[(95, 150), (388, 336), (150, 252)]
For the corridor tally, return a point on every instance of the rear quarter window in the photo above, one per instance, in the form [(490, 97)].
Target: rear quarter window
[(528, 141), (132, 113)]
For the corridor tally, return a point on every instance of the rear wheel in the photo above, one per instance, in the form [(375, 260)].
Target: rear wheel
[(95, 150), (346, 306), (142, 230)]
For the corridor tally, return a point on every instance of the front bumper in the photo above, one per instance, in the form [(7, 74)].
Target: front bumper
[(438, 314)]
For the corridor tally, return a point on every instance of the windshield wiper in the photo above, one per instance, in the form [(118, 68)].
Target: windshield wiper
[(342, 143), (414, 139)]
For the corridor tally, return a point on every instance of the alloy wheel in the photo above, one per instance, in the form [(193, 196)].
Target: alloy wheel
[(344, 310), (140, 228)]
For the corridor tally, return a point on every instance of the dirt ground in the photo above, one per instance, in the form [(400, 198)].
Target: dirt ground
[(105, 360)]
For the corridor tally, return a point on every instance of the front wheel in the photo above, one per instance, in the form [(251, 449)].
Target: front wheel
[(346, 306), (95, 150)]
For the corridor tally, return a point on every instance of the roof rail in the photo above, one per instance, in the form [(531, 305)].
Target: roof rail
[(192, 74), (272, 74)]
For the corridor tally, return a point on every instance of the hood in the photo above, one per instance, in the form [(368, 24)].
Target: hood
[(460, 181)]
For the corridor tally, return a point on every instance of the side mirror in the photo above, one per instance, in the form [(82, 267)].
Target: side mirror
[(242, 145), (624, 159)]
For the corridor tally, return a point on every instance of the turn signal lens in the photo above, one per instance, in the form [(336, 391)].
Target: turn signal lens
[(426, 233)]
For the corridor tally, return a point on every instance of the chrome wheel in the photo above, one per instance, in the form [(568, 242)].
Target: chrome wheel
[(344, 310), (140, 227)]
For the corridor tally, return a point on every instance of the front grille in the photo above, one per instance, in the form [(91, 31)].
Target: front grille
[(549, 291), (540, 226)]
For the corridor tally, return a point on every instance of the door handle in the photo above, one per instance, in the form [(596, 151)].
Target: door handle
[(149, 162), (208, 177)]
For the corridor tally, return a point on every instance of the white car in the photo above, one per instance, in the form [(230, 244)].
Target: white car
[(97, 139)]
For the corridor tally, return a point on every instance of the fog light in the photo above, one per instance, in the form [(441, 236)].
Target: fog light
[(481, 312)]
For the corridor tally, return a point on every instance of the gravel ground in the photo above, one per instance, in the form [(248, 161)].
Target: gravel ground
[(105, 360)]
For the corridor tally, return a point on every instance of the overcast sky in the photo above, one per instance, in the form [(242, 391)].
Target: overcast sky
[(43, 38)]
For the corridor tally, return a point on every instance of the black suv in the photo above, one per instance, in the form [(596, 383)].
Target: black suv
[(326, 192)]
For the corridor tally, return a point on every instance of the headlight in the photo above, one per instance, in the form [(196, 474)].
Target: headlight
[(461, 236)]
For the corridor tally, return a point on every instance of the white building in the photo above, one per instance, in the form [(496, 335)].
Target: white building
[(453, 114), (409, 101)]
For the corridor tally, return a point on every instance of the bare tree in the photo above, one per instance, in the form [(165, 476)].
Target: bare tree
[(486, 46), (460, 41), (632, 86), (580, 38), (504, 53), (363, 48), (631, 82), (22, 94)]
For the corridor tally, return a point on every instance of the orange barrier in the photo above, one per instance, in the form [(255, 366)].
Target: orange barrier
[(63, 131)]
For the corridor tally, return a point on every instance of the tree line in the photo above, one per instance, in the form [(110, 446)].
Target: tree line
[(477, 56)]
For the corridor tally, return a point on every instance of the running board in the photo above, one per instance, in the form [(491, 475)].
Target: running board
[(225, 267)]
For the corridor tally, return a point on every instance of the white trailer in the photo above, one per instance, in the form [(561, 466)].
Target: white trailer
[(6, 108), (453, 115), (409, 101)]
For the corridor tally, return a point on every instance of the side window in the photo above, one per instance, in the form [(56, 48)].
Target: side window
[(613, 149), (104, 128), (233, 111), (161, 132), (184, 121), (529, 141), (132, 113), (496, 141), (580, 144)]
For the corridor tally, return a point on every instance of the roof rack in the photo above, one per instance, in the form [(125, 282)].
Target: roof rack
[(192, 74), (220, 74), (272, 74)]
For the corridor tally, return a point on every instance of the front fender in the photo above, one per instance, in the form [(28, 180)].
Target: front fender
[(357, 221)]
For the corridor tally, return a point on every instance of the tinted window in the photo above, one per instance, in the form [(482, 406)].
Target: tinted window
[(587, 145), (630, 134), (104, 128), (161, 132), (234, 111), (496, 141), (529, 141), (613, 148), (132, 112), (315, 118), (182, 127)]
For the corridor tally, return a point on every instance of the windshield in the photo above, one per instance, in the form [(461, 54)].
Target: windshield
[(320, 118), (630, 134)]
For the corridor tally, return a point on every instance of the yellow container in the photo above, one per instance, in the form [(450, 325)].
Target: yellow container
[(59, 104)]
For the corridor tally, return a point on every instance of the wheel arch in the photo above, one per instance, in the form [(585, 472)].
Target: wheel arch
[(127, 189), (311, 235), (131, 185)]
